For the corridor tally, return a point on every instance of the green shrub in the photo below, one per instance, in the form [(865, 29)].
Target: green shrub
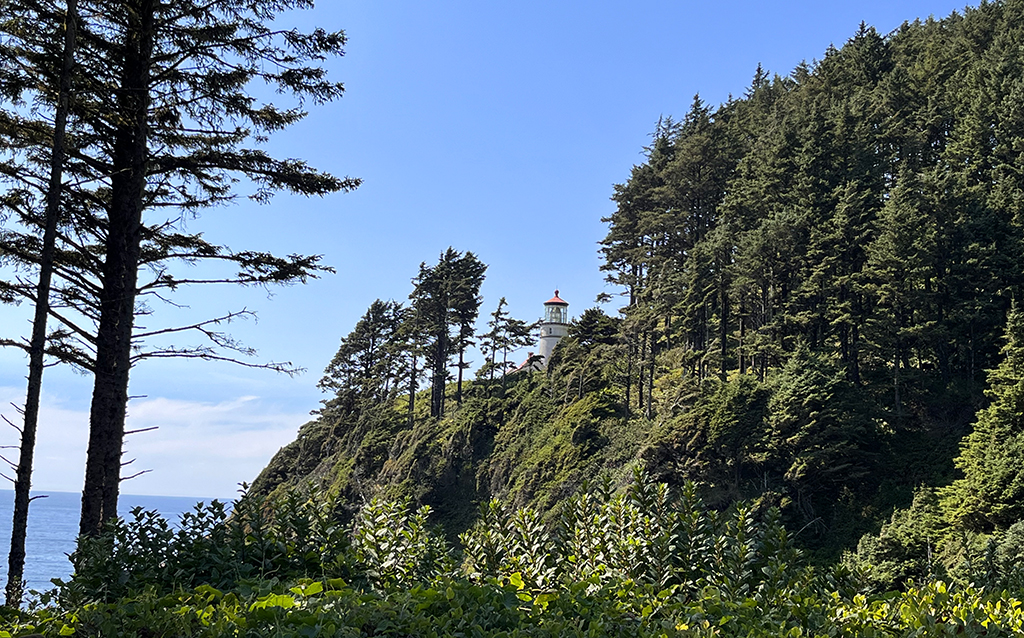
[(646, 562), (263, 540), (393, 548)]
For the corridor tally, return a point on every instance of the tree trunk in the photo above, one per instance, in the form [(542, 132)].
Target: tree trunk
[(629, 374), (23, 482), (650, 376), (412, 391), (504, 382), (120, 273), (490, 382), (439, 371), (855, 355), (462, 365), (743, 334), (641, 375), (504, 369), (723, 333)]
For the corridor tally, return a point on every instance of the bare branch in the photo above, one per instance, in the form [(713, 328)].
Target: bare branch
[(11, 343), (284, 367), (228, 318), (136, 475), (82, 333), (10, 423), (150, 429)]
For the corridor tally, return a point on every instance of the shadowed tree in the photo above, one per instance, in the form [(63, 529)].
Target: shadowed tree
[(990, 495), (31, 33), (365, 370)]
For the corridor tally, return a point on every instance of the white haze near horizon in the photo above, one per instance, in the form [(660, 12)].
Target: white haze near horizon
[(198, 449)]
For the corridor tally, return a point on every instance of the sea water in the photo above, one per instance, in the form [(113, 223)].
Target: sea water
[(53, 527)]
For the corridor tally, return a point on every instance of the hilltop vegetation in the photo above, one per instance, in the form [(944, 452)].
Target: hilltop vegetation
[(814, 280)]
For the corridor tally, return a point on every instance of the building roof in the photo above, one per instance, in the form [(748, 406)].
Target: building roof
[(532, 362), (556, 301)]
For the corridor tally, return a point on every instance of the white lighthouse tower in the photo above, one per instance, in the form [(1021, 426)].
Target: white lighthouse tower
[(553, 327)]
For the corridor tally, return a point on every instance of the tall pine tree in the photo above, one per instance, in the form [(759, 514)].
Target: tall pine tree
[(446, 300), (990, 495)]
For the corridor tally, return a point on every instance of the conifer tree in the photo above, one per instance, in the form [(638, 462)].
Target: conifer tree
[(586, 358), (446, 301), (163, 121), (491, 342), (366, 368), (506, 334), (466, 309), (819, 441), (990, 495), (899, 265), (31, 34)]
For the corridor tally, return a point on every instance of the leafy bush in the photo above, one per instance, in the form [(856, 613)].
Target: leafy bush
[(393, 547), (645, 535), (263, 540), (646, 562)]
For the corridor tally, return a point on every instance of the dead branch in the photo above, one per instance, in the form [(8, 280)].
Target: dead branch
[(228, 318), (10, 423), (136, 475)]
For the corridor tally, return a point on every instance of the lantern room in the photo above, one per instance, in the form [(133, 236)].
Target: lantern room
[(556, 310)]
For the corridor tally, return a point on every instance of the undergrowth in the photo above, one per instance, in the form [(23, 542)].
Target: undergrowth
[(646, 561)]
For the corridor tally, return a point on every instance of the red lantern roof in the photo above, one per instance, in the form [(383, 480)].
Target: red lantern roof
[(556, 301)]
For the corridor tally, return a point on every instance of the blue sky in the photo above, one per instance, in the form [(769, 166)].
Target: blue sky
[(494, 127)]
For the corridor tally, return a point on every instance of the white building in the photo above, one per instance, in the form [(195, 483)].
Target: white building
[(553, 327)]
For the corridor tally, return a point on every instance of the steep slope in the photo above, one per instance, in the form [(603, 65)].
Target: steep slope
[(816, 278), (520, 445)]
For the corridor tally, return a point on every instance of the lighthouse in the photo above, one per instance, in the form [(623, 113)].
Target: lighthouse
[(553, 327)]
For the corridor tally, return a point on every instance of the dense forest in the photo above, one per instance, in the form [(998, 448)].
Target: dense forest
[(798, 411), (814, 285)]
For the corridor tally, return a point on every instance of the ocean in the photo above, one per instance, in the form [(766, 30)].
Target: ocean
[(53, 527)]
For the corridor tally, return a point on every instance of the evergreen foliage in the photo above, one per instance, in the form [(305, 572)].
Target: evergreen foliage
[(445, 304), (814, 278), (968, 528), (368, 366), (47, 252), (818, 441), (990, 496)]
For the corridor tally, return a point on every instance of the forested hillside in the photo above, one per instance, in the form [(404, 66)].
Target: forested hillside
[(809, 286)]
